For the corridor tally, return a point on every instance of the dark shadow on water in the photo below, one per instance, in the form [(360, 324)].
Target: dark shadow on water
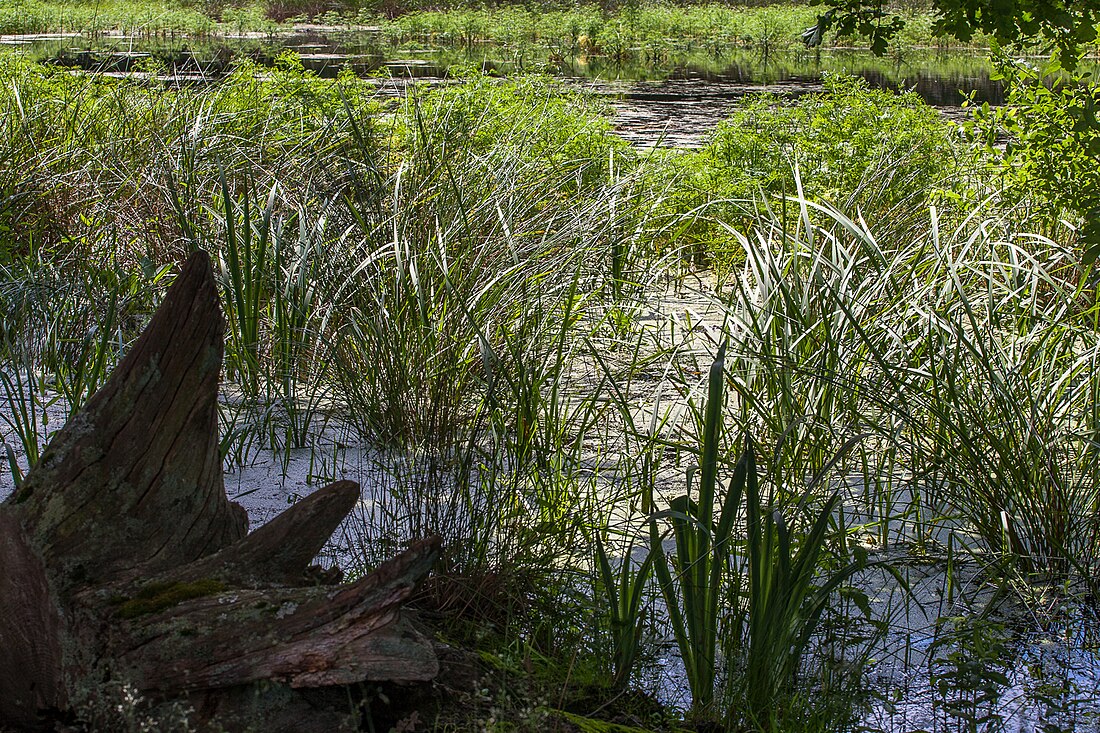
[(939, 78)]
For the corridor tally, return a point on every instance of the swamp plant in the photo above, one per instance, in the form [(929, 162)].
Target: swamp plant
[(758, 596), (470, 284)]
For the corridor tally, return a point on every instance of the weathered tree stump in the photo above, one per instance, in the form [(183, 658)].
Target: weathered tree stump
[(121, 549)]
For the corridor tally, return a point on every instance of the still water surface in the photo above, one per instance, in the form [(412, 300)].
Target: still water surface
[(670, 100)]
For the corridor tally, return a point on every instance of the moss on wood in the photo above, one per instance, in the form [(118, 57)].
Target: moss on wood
[(157, 597)]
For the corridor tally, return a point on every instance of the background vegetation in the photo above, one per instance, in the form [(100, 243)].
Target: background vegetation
[(481, 288)]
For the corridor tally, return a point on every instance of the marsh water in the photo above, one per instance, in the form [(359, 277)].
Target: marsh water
[(658, 98), (932, 670), (1051, 677)]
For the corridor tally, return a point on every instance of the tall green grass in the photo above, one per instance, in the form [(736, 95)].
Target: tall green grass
[(477, 286), (705, 557), (745, 589), (966, 353)]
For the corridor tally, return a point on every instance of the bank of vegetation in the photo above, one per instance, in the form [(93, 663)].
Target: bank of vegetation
[(570, 27), (895, 359)]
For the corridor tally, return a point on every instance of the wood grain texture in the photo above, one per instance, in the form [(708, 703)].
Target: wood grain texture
[(31, 672), (281, 551), (121, 548), (306, 637), (133, 483)]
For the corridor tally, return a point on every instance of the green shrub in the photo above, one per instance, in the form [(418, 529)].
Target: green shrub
[(561, 133), (1051, 161), (859, 148)]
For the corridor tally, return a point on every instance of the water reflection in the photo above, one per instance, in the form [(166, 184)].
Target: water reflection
[(940, 78)]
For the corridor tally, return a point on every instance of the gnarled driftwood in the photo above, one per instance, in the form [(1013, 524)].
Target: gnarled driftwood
[(121, 545)]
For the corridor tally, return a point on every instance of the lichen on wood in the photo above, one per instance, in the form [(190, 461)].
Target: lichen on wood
[(122, 546)]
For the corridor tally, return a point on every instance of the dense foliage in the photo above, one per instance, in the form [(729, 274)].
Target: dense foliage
[(863, 150), (1051, 151), (1066, 25), (469, 285), (618, 31)]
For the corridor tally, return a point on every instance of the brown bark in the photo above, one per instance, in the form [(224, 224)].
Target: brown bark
[(280, 551), (30, 630), (133, 484), (121, 545), (310, 637)]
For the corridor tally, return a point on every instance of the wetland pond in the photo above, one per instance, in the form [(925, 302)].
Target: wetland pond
[(942, 663), (931, 674), (671, 100)]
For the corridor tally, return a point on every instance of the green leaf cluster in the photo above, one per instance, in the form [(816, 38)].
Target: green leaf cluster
[(1050, 134), (561, 133), (862, 149), (1062, 25)]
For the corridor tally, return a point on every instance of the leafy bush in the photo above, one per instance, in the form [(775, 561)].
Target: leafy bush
[(1052, 157), (859, 148), (562, 133)]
